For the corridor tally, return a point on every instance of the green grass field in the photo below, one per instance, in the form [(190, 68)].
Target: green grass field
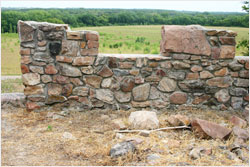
[(113, 39)]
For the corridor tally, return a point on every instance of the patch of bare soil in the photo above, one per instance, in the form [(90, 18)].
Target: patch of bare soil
[(30, 138)]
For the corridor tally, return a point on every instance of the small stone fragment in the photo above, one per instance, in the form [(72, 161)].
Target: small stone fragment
[(121, 149)]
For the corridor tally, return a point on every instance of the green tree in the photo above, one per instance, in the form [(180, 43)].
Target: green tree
[(10, 30), (245, 7)]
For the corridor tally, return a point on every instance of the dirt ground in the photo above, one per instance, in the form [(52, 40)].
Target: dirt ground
[(31, 138)]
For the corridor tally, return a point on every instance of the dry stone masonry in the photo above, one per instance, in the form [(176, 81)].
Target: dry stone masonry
[(196, 67)]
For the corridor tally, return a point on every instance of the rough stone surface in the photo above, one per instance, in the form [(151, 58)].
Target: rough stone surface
[(141, 93), (105, 95), (42, 56), (221, 72), (34, 90), (83, 61), (67, 90), (81, 91), (227, 52), (46, 78), (76, 81), (201, 99), (54, 89), (37, 69), (180, 65), (236, 102), (238, 92), (69, 70), (178, 75), (143, 120), (87, 70), (221, 82), (50, 69), (26, 59), (61, 79), (178, 98), (31, 79), (92, 80), (69, 48), (123, 97), (64, 59), (235, 66), (205, 75), (192, 76), (222, 95), (242, 83), (196, 68), (26, 31), (55, 99), (106, 83), (24, 69), (167, 85), (105, 71)]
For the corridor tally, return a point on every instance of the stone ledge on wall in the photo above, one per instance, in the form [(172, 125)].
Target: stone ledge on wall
[(196, 67)]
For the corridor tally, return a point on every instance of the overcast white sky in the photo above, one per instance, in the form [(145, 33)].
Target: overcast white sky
[(187, 5)]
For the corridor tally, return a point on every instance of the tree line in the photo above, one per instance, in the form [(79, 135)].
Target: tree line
[(79, 17)]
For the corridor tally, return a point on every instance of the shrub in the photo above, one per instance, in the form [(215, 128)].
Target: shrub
[(140, 39), (245, 45), (116, 45), (146, 50)]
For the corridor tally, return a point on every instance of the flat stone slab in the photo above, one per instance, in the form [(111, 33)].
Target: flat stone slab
[(125, 56), (185, 39), (11, 77), (14, 99)]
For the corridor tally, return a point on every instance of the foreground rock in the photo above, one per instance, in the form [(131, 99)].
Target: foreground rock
[(178, 120), (196, 153), (241, 133), (238, 121), (143, 120), (206, 129), (121, 149)]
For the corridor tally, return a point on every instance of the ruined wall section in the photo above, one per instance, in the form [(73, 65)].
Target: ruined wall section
[(53, 60), (212, 75), (62, 68)]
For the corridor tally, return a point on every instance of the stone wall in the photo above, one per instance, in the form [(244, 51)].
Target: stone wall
[(196, 67)]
